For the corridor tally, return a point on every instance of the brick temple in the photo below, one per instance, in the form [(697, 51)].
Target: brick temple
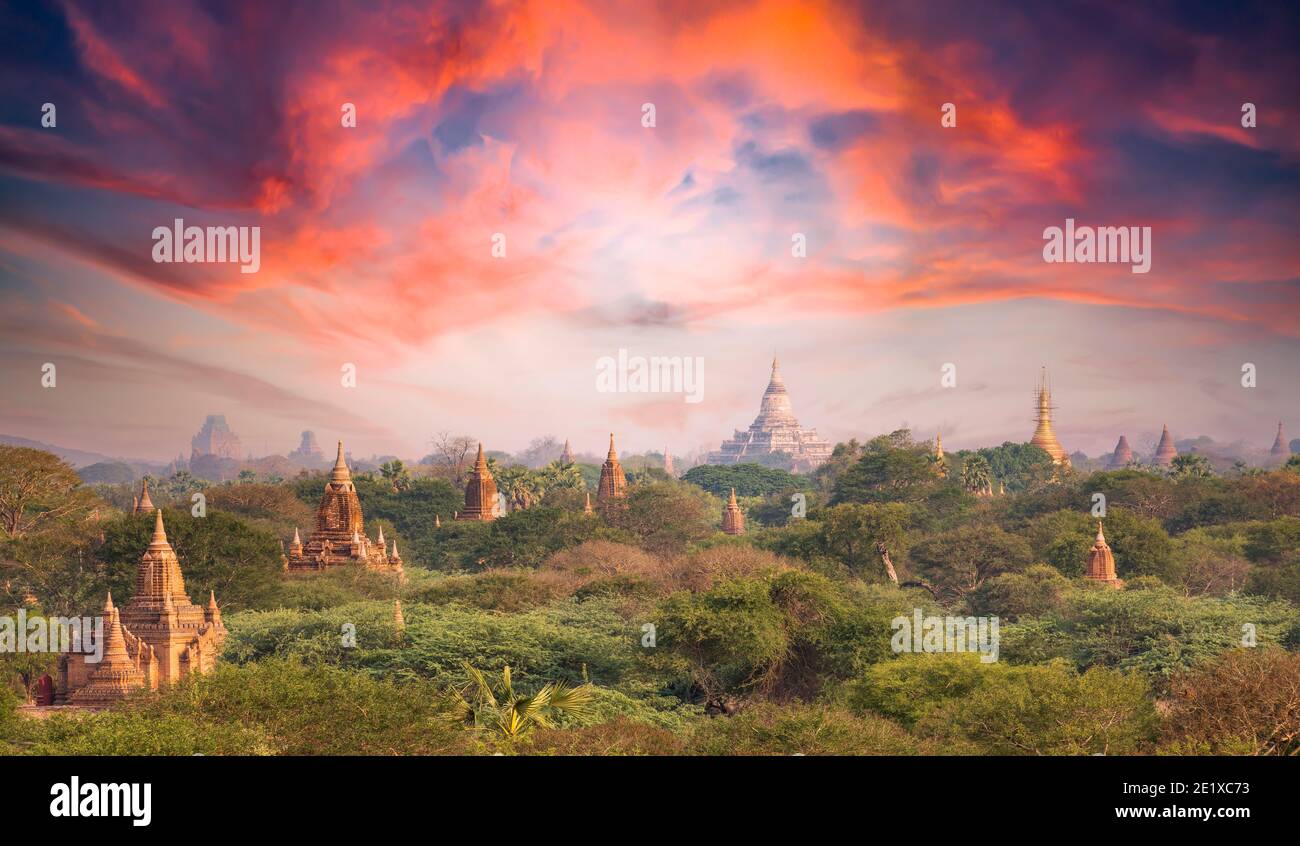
[(158, 638), (340, 534)]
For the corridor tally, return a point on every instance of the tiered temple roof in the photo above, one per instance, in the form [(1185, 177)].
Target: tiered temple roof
[(480, 492), (340, 534), (1166, 452), (1101, 562), (159, 637), (613, 484), (1044, 436), (774, 430), (733, 519), (1123, 455)]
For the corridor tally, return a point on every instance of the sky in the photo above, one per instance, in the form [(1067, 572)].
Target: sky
[(523, 125)]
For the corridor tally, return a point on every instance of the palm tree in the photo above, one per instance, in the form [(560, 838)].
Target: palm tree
[(498, 708), (396, 474), (976, 474)]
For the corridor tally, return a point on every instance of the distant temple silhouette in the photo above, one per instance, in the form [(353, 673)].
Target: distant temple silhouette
[(774, 430)]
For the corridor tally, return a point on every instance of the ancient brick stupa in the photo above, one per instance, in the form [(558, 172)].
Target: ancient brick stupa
[(566, 457), (480, 492), (774, 430), (1281, 450), (613, 484), (1101, 562), (668, 463), (160, 633), (733, 519), (340, 534), (143, 505), (1166, 452), (1122, 457), (1044, 436)]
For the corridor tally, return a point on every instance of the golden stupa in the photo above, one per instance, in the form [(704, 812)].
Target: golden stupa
[(1044, 437)]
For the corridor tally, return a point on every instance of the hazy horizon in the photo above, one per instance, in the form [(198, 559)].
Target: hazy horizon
[(923, 242)]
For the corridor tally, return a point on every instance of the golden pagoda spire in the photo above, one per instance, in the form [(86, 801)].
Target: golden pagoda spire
[(1044, 436)]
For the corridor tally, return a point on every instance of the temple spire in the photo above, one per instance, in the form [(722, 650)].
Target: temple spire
[(1166, 452), (480, 491), (340, 473), (1044, 435), (145, 505), (1101, 562), (159, 532), (1281, 449), (733, 519), (612, 484)]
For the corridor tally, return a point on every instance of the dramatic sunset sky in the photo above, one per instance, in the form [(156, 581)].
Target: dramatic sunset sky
[(525, 118)]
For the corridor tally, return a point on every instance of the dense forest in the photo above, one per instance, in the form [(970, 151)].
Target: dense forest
[(643, 629)]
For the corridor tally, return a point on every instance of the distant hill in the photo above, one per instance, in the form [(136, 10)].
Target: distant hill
[(75, 457)]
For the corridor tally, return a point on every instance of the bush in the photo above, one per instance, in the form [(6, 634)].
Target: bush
[(1245, 703), (815, 729)]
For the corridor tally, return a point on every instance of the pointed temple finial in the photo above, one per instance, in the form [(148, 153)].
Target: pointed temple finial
[(587, 508), (297, 539), (380, 540), (108, 604), (159, 533), (340, 473), (1101, 538), (566, 457), (612, 453), (437, 521)]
